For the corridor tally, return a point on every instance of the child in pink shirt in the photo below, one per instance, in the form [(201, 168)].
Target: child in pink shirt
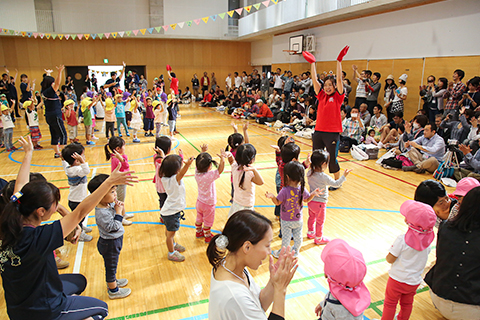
[(207, 197)]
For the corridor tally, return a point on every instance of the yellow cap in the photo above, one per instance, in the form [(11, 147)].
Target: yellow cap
[(85, 103), (4, 107), (118, 96), (109, 104), (27, 103), (68, 102), (155, 103)]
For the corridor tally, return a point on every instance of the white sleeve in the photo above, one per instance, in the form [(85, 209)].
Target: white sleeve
[(397, 247)]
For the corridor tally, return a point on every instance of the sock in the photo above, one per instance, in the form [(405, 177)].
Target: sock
[(113, 290), (206, 231), (170, 253), (198, 226)]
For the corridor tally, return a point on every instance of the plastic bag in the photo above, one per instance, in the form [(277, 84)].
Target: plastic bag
[(358, 154)]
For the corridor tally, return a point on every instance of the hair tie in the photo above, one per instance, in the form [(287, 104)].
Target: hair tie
[(16, 197), (222, 242)]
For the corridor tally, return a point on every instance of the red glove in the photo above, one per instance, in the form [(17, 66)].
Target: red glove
[(169, 68), (342, 53), (309, 57)]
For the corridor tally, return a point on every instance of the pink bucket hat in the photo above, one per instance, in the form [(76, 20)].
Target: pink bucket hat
[(345, 269), (465, 185), (420, 220)]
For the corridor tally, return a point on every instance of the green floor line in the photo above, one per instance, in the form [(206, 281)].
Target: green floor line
[(189, 142), (13, 143)]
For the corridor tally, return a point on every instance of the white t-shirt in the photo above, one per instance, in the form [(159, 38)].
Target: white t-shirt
[(7, 121), (234, 301), (228, 82), (32, 118), (403, 91), (278, 82), (238, 82), (176, 201), (410, 263), (246, 196)]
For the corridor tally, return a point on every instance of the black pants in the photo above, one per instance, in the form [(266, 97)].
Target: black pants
[(109, 128), (370, 105), (330, 141), (57, 130), (359, 101), (73, 205), (110, 251)]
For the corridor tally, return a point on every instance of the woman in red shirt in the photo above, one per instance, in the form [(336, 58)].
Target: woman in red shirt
[(329, 122)]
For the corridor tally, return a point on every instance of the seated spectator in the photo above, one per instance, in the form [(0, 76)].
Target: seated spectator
[(186, 96), (459, 130), (399, 146), (415, 129), (472, 161), (365, 114), (377, 121), (353, 127), (426, 152), (264, 114), (252, 108), (207, 99), (388, 133), (370, 138), (299, 111)]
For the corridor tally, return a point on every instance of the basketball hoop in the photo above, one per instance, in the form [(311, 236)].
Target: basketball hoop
[(290, 52)]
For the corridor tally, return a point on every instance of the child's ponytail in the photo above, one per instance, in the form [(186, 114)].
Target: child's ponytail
[(302, 189), (107, 152), (113, 143), (245, 156), (294, 171)]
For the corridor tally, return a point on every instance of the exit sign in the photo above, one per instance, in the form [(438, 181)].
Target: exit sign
[(105, 60)]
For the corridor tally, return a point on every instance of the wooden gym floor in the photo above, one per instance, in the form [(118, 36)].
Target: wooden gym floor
[(364, 212)]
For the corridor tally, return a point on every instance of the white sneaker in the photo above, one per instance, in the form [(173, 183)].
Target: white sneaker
[(121, 293), (94, 138), (87, 229), (122, 282), (126, 222), (128, 216), (85, 237)]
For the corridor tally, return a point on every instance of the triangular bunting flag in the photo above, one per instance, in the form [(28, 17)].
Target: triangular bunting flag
[(121, 33), (173, 26), (239, 11), (80, 36), (275, 1), (24, 33), (197, 21), (150, 30), (143, 31), (205, 19), (67, 36), (180, 24), (266, 3), (35, 35), (107, 35), (29, 34), (128, 33), (248, 8), (5, 31), (222, 15), (114, 35), (42, 35), (189, 23), (214, 17), (48, 35), (135, 32), (1, 29), (230, 13), (165, 28), (100, 35), (87, 36), (60, 36), (158, 29), (74, 36), (94, 35), (54, 36), (257, 6)]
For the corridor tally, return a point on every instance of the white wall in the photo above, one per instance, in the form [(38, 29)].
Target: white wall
[(261, 52), (185, 10), (446, 28), (18, 15)]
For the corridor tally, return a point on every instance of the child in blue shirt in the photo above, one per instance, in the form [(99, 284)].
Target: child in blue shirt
[(120, 114)]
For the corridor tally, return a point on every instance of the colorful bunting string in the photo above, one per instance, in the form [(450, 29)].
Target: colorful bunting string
[(158, 29)]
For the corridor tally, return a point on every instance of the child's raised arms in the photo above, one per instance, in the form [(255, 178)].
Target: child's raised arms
[(221, 165), (257, 178), (184, 169), (204, 147)]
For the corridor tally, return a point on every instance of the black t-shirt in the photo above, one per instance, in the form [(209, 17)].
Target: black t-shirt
[(33, 289), (53, 105), (109, 81), (4, 87), (393, 125), (26, 95), (12, 91)]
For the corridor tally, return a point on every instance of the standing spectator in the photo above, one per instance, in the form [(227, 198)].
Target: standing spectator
[(361, 93), (264, 85), (426, 93), (114, 83), (26, 88), (390, 87), (278, 81), (471, 99), (143, 83), (94, 82), (69, 82), (288, 80), (348, 88), (88, 82), (195, 85), (256, 82), (454, 94), (373, 91), (205, 81), (306, 82), (228, 82), (12, 90), (400, 95), (237, 79), (214, 81)]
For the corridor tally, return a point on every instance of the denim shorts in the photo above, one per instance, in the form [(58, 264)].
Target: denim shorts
[(172, 222)]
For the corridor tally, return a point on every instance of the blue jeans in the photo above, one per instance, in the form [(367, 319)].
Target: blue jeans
[(7, 138), (110, 251), (121, 121)]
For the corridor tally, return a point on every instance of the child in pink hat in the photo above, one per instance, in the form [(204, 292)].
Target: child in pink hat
[(345, 269), (463, 186), (408, 256)]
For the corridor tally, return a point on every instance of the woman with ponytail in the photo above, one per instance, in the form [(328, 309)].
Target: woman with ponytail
[(245, 242), (33, 288)]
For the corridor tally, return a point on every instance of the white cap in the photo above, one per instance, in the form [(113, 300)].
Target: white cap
[(403, 77), (259, 100)]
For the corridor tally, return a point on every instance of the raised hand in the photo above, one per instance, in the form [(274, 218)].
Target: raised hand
[(274, 146), (117, 177), (78, 157), (245, 126), (309, 57), (204, 147), (169, 68), (180, 153), (159, 152), (342, 53), (27, 144), (346, 172), (269, 195), (60, 68)]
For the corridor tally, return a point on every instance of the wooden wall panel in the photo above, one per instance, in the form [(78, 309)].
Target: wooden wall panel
[(32, 56)]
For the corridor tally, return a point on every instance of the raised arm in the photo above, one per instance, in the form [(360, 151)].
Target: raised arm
[(123, 71), (184, 169), (23, 176), (311, 59), (59, 77), (339, 69)]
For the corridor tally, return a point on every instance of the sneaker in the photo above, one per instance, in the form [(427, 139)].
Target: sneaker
[(333, 188), (419, 170), (61, 264), (57, 155), (199, 234), (122, 282), (276, 253), (128, 134), (311, 234), (85, 237), (120, 135), (409, 168), (209, 238), (13, 149), (90, 143), (128, 216), (136, 140), (176, 256), (94, 138), (179, 247), (121, 293), (87, 229), (322, 240), (126, 222)]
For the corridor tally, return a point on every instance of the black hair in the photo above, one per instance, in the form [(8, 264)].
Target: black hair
[(173, 74), (378, 75), (398, 114), (468, 216), (370, 131), (170, 166), (317, 159), (387, 85), (23, 75), (281, 141), (164, 143), (243, 226), (47, 82), (187, 88), (355, 107), (401, 127), (429, 191), (444, 82), (344, 73), (422, 120), (379, 106), (475, 81), (203, 162), (294, 171), (244, 156), (69, 150), (433, 126), (234, 141), (342, 108), (460, 73), (289, 152), (332, 80), (113, 143), (113, 73), (36, 195), (96, 182), (368, 72)]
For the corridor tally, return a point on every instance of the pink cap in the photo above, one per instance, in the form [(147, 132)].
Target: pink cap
[(420, 220), (465, 185), (345, 269)]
